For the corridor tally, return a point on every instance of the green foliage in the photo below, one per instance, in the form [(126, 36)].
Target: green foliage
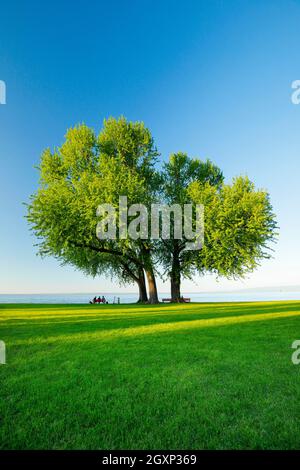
[(178, 175), (239, 220), (88, 170), (181, 171), (239, 225), (83, 173), (130, 142)]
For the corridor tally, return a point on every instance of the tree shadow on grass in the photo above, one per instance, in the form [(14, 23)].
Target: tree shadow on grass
[(131, 325), (153, 315)]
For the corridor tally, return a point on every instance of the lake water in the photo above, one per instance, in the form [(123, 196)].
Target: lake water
[(132, 298)]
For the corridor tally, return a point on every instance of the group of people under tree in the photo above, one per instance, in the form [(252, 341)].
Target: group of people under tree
[(99, 300)]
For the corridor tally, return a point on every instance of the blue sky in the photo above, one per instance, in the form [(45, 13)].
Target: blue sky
[(212, 78)]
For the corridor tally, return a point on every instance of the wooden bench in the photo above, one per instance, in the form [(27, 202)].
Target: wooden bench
[(183, 300)]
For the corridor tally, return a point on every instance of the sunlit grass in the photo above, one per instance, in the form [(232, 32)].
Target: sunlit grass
[(161, 377)]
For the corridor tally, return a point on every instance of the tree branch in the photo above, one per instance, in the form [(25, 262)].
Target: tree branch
[(108, 251)]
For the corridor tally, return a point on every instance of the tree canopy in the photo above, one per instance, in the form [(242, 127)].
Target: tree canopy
[(88, 170)]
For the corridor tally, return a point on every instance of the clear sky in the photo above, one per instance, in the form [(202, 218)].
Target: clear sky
[(212, 78)]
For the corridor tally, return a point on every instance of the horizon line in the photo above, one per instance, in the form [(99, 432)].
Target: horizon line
[(243, 289)]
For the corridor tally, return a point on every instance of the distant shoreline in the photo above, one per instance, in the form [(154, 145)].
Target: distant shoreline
[(289, 288), (130, 298)]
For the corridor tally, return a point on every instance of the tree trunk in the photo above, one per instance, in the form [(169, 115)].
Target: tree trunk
[(175, 277), (152, 289), (143, 297), (175, 289), (138, 277)]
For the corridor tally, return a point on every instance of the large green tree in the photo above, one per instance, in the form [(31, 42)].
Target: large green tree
[(239, 223), (86, 171)]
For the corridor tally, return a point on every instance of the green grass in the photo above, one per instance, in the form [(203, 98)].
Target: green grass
[(198, 376)]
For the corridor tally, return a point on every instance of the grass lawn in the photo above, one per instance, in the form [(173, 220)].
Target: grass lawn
[(198, 376)]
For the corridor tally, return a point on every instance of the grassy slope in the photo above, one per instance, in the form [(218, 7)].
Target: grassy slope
[(175, 377)]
